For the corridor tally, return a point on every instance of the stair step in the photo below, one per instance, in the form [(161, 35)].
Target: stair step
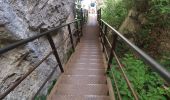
[(87, 61), (83, 79), (84, 71), (84, 57), (87, 89), (89, 52), (80, 97), (88, 66)]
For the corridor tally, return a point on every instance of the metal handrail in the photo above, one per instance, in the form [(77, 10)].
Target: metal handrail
[(147, 59), (155, 65), (22, 42), (54, 52), (46, 80), (24, 77)]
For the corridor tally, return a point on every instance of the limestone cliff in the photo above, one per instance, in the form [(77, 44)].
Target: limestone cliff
[(23, 19)]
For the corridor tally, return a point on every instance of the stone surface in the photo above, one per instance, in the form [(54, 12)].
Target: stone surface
[(130, 24), (26, 18)]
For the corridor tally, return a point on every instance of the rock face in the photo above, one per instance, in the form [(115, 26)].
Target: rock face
[(99, 3), (5, 37), (132, 23), (132, 26), (26, 18), (23, 17)]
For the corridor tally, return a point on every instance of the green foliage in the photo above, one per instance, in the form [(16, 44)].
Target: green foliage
[(51, 87), (123, 88), (78, 14), (165, 60), (144, 37), (121, 48), (115, 12), (69, 53), (147, 84), (158, 19), (42, 97), (158, 14)]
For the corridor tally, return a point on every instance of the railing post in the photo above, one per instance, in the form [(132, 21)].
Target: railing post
[(99, 17), (101, 33), (104, 38), (81, 25), (71, 37), (102, 25), (100, 28), (82, 16), (112, 49), (78, 34), (100, 14), (55, 51), (100, 22)]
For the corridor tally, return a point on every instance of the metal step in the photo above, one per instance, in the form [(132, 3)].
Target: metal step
[(90, 60), (80, 97), (86, 65), (83, 79), (84, 71), (86, 57), (87, 89)]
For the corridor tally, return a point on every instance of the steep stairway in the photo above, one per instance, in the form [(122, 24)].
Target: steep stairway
[(84, 77)]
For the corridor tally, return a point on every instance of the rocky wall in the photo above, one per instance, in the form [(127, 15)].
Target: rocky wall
[(26, 18)]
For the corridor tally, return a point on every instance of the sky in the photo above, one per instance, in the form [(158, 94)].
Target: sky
[(86, 3)]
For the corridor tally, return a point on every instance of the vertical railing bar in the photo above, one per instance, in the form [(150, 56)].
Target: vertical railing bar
[(100, 29), (100, 13), (82, 21), (104, 39), (97, 15), (100, 23), (55, 52), (82, 17), (112, 49), (23, 77), (46, 80), (81, 25), (126, 78), (71, 37), (100, 33), (117, 89), (78, 30), (106, 53), (107, 40)]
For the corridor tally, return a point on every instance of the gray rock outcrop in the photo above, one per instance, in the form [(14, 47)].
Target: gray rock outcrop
[(26, 18)]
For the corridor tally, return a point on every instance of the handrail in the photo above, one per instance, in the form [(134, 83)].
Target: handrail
[(54, 52), (147, 59), (155, 65), (46, 80), (23, 77), (22, 42)]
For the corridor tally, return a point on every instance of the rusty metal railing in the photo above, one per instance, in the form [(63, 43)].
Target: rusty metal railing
[(78, 34), (115, 35)]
